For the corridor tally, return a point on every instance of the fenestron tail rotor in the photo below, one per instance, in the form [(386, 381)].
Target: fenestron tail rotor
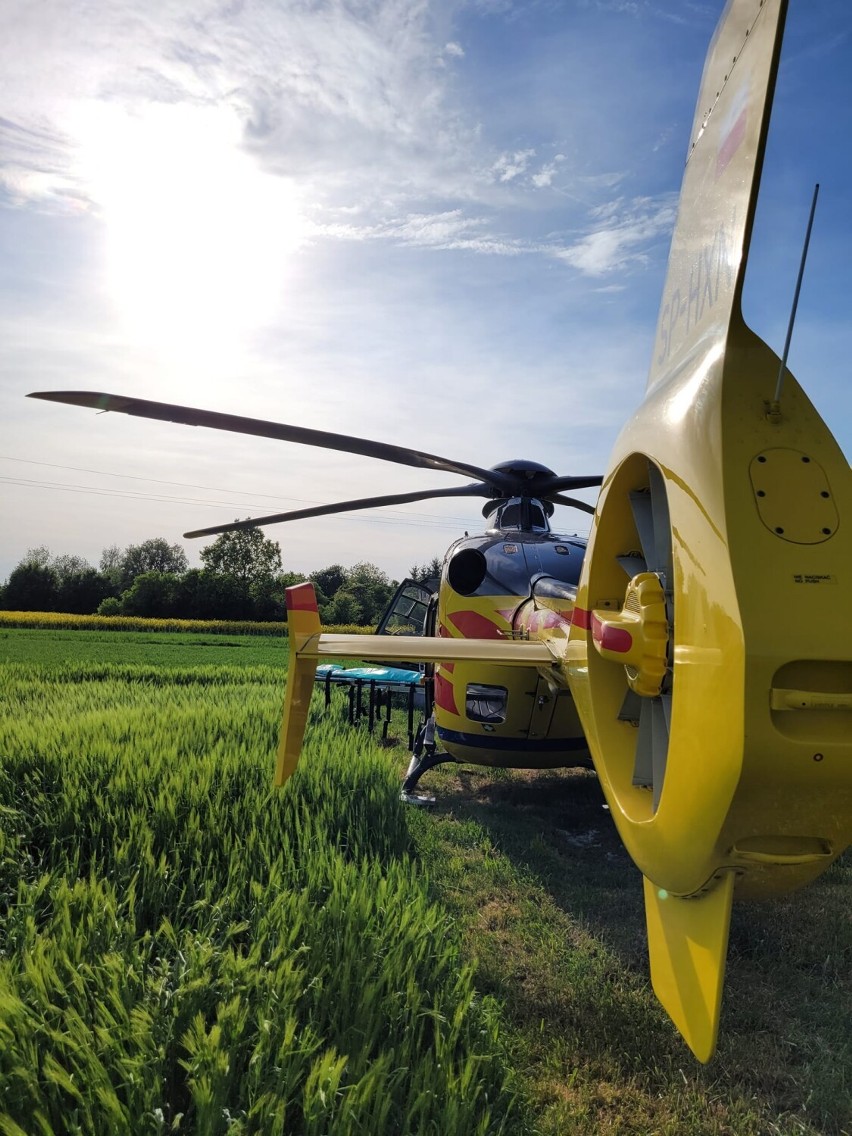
[(519, 478), (638, 635), (651, 516)]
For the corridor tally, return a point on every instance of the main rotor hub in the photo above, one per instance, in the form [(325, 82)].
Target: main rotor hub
[(523, 470)]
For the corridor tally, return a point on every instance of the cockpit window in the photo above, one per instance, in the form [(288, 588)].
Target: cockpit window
[(511, 516), (538, 521), (407, 611)]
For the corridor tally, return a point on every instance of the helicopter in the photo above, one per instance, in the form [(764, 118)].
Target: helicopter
[(720, 730), (513, 580)]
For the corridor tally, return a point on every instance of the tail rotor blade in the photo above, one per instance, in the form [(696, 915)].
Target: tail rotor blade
[(662, 527), (640, 504), (659, 748), (643, 766), (632, 563)]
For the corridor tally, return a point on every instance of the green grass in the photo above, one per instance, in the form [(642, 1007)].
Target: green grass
[(163, 649), (183, 948), (549, 903)]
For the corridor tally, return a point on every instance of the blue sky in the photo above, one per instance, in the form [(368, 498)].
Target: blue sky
[(440, 224)]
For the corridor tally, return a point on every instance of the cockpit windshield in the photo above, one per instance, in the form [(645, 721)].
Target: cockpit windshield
[(522, 514)]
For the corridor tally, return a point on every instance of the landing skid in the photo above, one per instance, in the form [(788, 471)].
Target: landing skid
[(417, 800), (425, 756)]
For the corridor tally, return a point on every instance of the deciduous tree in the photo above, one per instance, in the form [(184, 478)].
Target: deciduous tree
[(371, 589), (31, 587), (344, 608), (327, 582), (152, 594), (246, 554), (154, 555)]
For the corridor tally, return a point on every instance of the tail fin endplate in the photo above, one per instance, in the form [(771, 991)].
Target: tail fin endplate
[(303, 624)]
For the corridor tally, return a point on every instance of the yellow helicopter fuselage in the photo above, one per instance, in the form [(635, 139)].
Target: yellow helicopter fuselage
[(487, 713)]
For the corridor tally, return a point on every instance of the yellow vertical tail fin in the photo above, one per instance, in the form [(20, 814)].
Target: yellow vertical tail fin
[(687, 944), (303, 623)]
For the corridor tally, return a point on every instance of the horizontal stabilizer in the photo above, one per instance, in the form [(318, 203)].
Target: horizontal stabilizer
[(687, 945), (428, 649), (308, 646)]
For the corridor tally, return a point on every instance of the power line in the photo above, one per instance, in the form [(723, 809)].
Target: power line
[(94, 491), (104, 491), (150, 480), (428, 518), (400, 516)]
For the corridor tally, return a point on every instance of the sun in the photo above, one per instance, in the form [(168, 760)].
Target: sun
[(199, 239)]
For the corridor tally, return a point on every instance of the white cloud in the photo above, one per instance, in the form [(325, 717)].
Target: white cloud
[(350, 106), (343, 96), (451, 229), (545, 176), (621, 234), (511, 165)]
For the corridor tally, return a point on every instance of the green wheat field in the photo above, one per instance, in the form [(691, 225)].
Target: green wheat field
[(185, 949)]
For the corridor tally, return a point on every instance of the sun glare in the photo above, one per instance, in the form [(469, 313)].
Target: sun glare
[(198, 237)]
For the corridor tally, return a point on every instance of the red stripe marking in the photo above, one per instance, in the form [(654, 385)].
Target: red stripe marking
[(445, 696), (611, 638), (472, 625), (731, 142), (301, 597), (544, 619), (582, 618)]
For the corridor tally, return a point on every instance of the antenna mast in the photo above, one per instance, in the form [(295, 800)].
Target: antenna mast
[(775, 409)]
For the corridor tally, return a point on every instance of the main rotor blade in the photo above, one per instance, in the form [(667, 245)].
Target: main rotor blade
[(345, 507), (237, 424), (559, 499), (558, 483)]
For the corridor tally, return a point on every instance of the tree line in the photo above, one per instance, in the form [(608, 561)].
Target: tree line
[(241, 578)]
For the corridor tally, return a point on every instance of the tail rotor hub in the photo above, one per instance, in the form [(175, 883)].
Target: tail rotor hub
[(638, 635)]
